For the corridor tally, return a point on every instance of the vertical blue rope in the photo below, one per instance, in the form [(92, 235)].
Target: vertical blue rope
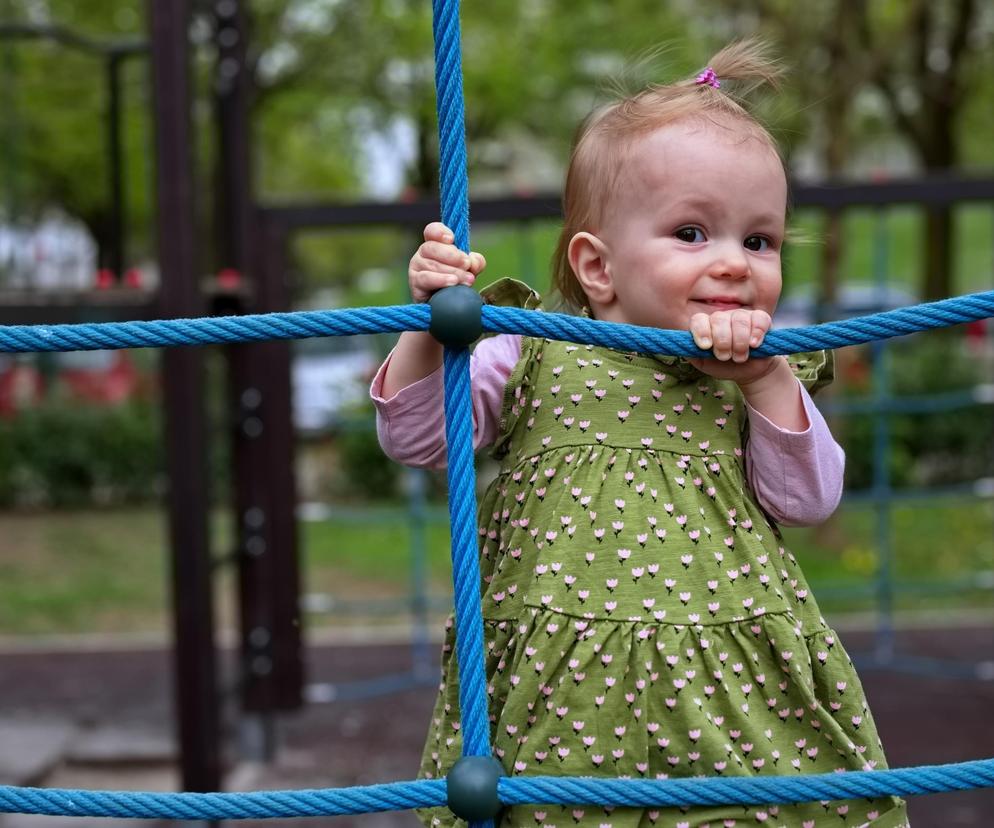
[(474, 722), (454, 187), (453, 181), (474, 719)]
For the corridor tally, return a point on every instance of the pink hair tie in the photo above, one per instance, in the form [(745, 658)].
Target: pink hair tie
[(708, 77)]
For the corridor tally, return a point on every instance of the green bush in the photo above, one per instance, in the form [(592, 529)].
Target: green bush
[(58, 454), (366, 472), (930, 449)]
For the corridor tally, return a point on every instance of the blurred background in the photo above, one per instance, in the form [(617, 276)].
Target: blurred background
[(232, 157)]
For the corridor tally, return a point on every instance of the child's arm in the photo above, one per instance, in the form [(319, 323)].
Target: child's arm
[(437, 263), (795, 475), (411, 424)]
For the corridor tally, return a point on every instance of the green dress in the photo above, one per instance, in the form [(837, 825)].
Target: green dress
[(642, 617)]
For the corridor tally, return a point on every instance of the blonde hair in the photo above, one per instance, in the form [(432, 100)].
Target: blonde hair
[(603, 141)]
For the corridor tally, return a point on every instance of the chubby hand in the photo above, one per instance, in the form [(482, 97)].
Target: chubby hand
[(438, 263), (730, 335)]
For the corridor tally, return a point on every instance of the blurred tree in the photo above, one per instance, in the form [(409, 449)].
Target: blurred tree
[(337, 81), (364, 71), (370, 62), (53, 131), (926, 85)]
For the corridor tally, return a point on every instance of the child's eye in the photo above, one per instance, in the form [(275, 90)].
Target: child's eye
[(692, 235), (757, 244)]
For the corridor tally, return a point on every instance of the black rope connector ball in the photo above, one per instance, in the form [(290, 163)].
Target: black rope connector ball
[(456, 316), (472, 787)]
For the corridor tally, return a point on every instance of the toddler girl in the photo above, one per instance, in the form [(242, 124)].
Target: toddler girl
[(642, 615)]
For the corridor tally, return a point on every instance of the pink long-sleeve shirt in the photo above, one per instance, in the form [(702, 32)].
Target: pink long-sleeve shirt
[(795, 475)]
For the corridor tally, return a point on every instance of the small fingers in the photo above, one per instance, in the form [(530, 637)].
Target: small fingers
[(761, 323), (730, 334), (476, 262), (436, 231), (741, 327), (424, 283), (721, 335), (700, 329), (438, 263), (444, 254)]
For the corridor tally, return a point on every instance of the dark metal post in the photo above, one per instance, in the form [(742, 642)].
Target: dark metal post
[(232, 92), (259, 393), (186, 422), (269, 573), (10, 135), (115, 162)]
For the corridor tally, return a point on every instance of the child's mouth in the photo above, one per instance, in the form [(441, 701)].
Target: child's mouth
[(721, 303)]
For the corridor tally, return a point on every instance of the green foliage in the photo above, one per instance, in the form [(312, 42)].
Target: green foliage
[(53, 139), (925, 449), (70, 455), (366, 472)]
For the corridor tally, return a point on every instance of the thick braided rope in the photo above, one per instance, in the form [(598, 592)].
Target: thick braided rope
[(454, 191), (716, 790), (212, 330), (516, 790), (474, 722), (453, 180), (391, 319), (395, 796), (783, 341)]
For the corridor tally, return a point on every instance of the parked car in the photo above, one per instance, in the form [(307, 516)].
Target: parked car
[(329, 376), (801, 307)]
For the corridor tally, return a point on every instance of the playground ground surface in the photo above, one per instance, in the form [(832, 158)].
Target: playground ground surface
[(98, 715)]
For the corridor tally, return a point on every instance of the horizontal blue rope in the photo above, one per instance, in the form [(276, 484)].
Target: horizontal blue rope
[(395, 318), (717, 790), (213, 329), (517, 790), (781, 341), (395, 796)]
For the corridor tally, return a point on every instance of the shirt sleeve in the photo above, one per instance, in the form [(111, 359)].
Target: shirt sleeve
[(796, 475), (411, 424)]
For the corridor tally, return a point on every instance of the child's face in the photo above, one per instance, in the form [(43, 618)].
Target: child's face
[(697, 227)]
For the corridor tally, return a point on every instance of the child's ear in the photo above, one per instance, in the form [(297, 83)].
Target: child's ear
[(588, 256)]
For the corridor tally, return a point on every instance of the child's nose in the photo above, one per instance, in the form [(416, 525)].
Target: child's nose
[(730, 261)]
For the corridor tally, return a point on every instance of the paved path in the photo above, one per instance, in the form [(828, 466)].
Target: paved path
[(102, 719)]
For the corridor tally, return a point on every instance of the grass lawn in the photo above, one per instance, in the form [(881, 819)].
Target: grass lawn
[(107, 571)]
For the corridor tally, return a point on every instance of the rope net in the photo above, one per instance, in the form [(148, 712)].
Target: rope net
[(466, 576), (462, 487)]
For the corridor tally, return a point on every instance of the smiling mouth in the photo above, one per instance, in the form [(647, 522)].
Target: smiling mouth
[(721, 303)]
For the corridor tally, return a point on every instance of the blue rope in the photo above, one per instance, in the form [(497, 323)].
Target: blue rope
[(518, 790), (716, 790), (395, 796), (305, 324), (211, 330), (453, 180), (783, 341), (454, 191), (474, 719)]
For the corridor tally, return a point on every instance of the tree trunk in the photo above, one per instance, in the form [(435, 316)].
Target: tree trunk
[(939, 254)]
